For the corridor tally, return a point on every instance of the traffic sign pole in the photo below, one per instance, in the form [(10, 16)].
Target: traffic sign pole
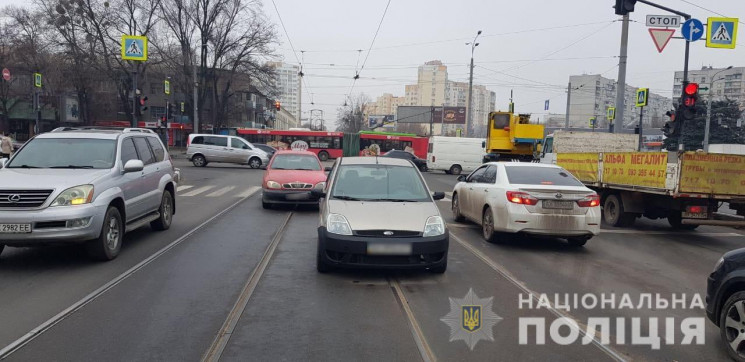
[(641, 127), (134, 96)]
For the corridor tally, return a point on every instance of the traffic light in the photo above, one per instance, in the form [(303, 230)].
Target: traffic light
[(671, 128), (688, 100), (277, 105), (143, 104), (169, 111), (623, 7)]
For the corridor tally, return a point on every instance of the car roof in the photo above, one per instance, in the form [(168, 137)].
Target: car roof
[(524, 164), (372, 160), (294, 152), (95, 133)]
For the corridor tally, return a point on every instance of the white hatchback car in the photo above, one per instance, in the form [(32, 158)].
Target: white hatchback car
[(529, 198)]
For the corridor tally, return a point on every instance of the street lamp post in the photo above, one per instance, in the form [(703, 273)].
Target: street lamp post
[(708, 107), (469, 121)]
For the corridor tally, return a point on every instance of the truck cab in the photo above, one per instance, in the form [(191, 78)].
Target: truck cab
[(512, 136)]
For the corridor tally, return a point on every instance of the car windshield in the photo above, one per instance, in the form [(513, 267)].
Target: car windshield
[(526, 175), (379, 183), (295, 162), (66, 153)]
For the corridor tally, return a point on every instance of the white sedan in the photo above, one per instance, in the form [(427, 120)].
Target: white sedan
[(529, 198)]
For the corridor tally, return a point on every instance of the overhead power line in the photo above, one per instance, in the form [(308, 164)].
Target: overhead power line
[(380, 24), (287, 34), (705, 9)]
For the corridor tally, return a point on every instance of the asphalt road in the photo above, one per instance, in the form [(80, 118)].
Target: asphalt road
[(243, 286)]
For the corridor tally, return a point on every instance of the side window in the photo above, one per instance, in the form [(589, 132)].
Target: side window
[(160, 153), (198, 140), (237, 143), (490, 175), (144, 150), (128, 151), (216, 141), (477, 175)]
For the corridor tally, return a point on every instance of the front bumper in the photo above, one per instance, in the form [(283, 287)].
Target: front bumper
[(520, 220), (288, 197), (711, 305), (47, 228), (351, 251)]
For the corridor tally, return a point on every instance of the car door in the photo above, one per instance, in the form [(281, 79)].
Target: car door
[(216, 148), (240, 152), (132, 184), (150, 178), (481, 189), (163, 166), (464, 198)]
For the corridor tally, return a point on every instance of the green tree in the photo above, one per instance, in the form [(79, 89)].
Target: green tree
[(723, 127)]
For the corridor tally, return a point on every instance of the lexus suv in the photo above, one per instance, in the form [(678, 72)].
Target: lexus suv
[(85, 185)]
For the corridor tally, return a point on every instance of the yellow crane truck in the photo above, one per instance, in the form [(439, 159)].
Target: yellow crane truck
[(511, 136)]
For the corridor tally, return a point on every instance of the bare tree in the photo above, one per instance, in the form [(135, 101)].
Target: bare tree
[(350, 116)]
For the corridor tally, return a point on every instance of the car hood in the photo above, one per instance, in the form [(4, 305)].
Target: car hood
[(45, 178), (288, 176), (371, 215)]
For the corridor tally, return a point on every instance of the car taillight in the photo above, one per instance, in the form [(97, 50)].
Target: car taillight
[(695, 209), (521, 198), (589, 201)]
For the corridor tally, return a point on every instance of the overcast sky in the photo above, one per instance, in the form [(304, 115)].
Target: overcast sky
[(530, 46)]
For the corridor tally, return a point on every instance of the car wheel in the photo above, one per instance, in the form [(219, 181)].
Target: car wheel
[(578, 241), (732, 326), (440, 268), (487, 226), (199, 161), (254, 162), (322, 265), (614, 214), (675, 219), (455, 170), (109, 243), (456, 209), (165, 211), (323, 156)]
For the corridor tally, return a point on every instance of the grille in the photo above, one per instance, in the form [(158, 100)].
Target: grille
[(396, 233), (23, 198), (297, 185), (50, 224)]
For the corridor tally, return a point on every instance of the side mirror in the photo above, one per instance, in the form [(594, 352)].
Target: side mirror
[(438, 195), (327, 169), (133, 166), (462, 178), (317, 193), (2, 162)]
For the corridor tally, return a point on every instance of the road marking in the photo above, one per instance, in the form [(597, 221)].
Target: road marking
[(51, 322), (416, 330), (535, 296), (221, 191), (223, 337), (198, 191), (248, 191), (184, 187)]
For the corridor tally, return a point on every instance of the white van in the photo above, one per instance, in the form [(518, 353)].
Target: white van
[(205, 148), (454, 154)]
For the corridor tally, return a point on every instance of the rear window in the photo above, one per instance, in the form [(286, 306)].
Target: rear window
[(295, 162), (526, 175)]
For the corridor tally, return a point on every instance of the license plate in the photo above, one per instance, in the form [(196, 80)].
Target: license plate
[(558, 204), (15, 228), (388, 249), (694, 215)]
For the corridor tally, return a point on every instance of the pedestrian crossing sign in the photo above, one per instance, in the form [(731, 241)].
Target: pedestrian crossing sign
[(721, 33), (134, 47), (642, 95)]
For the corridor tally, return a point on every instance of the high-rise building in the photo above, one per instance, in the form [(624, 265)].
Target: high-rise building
[(288, 86), (729, 83), (432, 81), (484, 101), (592, 94)]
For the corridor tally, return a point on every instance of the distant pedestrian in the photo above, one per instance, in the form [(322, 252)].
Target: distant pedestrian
[(6, 146)]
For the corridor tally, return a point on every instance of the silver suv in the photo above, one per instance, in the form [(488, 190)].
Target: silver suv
[(85, 185), (206, 148)]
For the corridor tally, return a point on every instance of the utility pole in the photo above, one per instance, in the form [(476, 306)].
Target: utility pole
[(431, 119), (621, 86), (196, 100), (469, 113), (134, 96), (569, 96), (641, 128)]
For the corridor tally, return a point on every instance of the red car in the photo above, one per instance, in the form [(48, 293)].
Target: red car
[(289, 178)]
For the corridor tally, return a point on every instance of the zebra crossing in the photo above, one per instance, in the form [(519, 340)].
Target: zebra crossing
[(215, 191)]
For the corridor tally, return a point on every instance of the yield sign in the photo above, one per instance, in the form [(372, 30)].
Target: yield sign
[(661, 37)]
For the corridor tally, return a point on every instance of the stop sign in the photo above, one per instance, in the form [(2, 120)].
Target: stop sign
[(6, 74)]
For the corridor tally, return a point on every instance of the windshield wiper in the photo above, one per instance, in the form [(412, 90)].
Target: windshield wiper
[(348, 198), (72, 166), (23, 166)]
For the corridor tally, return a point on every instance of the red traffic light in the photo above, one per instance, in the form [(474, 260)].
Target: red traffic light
[(143, 100), (691, 89), (277, 105)]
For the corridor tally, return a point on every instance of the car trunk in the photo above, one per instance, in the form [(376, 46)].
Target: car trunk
[(556, 200)]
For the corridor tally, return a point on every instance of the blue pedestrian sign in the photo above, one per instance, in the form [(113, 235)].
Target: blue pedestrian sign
[(134, 47), (721, 33), (693, 29)]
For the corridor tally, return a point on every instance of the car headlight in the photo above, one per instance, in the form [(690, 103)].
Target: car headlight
[(338, 224), (77, 195), (718, 264), (321, 185), (273, 185), (434, 226)]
